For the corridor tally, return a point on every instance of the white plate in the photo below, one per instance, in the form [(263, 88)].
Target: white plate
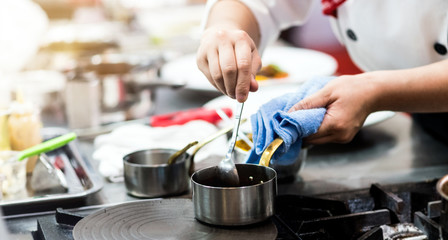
[(263, 95), (301, 64)]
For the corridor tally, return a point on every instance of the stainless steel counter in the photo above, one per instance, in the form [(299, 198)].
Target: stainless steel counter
[(392, 151)]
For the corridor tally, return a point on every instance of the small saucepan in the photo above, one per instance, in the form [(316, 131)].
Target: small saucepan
[(147, 173), (251, 202)]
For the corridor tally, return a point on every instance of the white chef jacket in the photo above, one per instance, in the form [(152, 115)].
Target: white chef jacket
[(378, 34)]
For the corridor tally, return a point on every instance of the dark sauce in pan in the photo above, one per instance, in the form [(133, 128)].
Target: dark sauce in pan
[(247, 178), (216, 182)]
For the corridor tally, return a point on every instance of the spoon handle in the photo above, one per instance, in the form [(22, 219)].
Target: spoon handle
[(239, 110), (46, 146)]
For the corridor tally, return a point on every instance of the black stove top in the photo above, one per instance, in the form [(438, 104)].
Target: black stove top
[(399, 211)]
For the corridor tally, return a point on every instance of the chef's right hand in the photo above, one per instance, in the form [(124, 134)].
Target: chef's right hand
[(229, 59)]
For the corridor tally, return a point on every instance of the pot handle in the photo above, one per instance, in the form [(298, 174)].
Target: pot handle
[(269, 151), (208, 140)]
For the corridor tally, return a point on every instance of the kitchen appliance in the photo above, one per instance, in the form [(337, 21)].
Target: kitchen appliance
[(395, 211), (154, 219)]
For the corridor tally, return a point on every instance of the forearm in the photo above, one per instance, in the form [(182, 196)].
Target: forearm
[(234, 14), (421, 89)]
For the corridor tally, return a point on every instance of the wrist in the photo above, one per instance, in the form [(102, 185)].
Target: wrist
[(373, 83)]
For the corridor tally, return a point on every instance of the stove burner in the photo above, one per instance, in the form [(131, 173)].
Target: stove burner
[(161, 219), (402, 231)]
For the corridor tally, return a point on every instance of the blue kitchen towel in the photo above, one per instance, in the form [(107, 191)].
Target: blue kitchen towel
[(272, 120)]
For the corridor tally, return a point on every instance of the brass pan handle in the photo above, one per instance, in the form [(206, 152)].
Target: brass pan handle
[(269, 151)]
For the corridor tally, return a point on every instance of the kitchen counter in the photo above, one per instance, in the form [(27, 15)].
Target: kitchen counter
[(392, 151)]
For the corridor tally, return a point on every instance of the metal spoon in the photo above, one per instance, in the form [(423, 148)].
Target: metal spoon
[(226, 168)]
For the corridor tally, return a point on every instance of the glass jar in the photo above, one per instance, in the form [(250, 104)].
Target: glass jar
[(4, 131), (24, 125), (12, 174)]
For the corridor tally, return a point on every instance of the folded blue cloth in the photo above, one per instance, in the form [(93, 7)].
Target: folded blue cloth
[(273, 120)]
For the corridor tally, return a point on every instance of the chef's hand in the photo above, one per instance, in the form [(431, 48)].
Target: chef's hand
[(229, 59), (348, 100)]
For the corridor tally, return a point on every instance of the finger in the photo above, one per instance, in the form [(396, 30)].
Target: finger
[(316, 100), (215, 71), (228, 68), (319, 134), (253, 84), (202, 64), (243, 55), (256, 66), (320, 140)]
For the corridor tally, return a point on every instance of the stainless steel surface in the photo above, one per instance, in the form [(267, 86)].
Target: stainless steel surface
[(227, 170), (393, 151), (233, 206), (51, 170), (285, 171), (80, 176), (442, 189), (147, 173)]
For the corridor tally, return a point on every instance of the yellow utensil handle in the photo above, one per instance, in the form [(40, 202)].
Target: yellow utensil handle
[(269, 151)]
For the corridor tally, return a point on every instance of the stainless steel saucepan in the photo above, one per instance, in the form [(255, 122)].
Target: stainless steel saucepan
[(251, 202), (147, 173)]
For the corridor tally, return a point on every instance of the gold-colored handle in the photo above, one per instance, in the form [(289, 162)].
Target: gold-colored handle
[(172, 159), (269, 151)]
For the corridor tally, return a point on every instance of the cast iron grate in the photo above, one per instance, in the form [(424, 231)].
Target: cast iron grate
[(359, 215)]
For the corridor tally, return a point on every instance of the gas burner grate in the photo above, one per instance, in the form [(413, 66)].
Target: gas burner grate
[(411, 209), (364, 214), (59, 226)]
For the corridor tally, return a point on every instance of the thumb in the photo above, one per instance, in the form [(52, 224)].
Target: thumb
[(313, 101)]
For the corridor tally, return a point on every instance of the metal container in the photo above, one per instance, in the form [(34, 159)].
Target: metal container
[(250, 203), (147, 174), (284, 171), (289, 171), (442, 189)]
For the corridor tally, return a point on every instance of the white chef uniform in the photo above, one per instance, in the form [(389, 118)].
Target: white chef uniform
[(378, 34)]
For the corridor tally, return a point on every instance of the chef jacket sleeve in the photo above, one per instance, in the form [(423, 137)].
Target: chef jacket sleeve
[(273, 16)]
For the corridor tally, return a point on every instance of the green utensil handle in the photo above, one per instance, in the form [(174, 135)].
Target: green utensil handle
[(47, 146)]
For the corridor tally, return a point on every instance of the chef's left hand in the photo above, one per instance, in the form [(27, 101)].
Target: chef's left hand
[(348, 100)]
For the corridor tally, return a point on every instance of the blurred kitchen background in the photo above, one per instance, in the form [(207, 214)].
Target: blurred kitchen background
[(86, 64)]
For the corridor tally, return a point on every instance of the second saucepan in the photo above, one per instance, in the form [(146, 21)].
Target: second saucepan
[(251, 202), (147, 174)]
